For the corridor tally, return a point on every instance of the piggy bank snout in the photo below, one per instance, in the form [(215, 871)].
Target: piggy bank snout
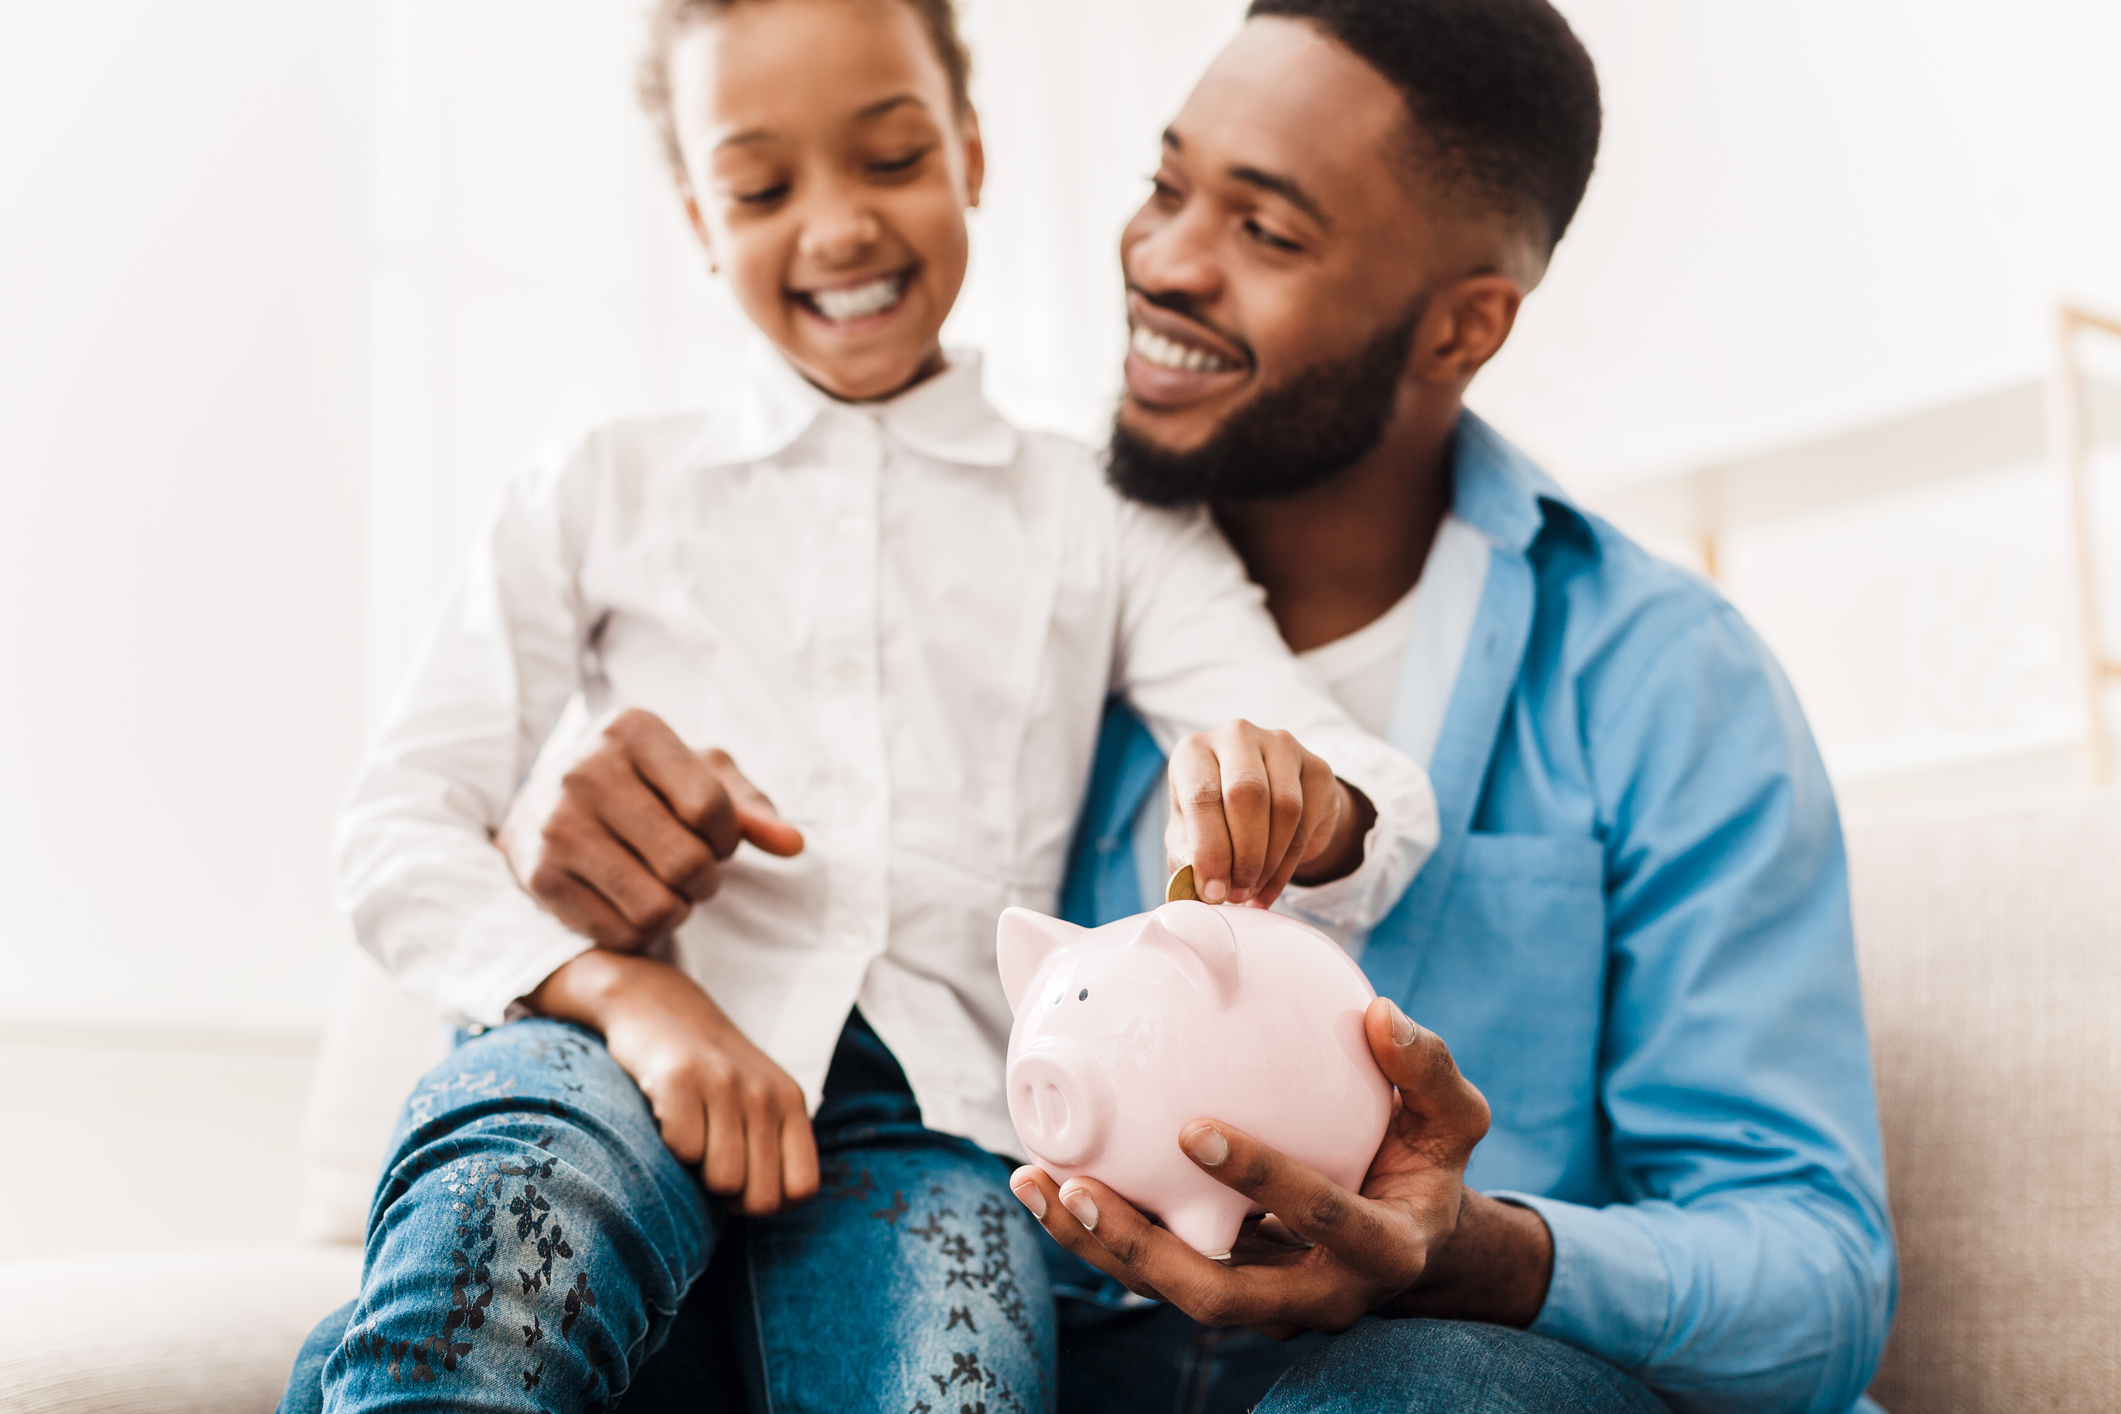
[(1062, 1101)]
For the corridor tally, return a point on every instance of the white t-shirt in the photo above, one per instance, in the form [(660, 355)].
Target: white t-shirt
[(1394, 675)]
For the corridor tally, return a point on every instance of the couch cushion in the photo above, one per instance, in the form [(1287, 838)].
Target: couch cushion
[(171, 1333), (1991, 951), (378, 1042)]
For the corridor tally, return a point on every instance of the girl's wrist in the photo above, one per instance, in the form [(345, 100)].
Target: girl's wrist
[(585, 987)]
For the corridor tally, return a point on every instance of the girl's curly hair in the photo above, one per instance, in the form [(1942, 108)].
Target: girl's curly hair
[(669, 19)]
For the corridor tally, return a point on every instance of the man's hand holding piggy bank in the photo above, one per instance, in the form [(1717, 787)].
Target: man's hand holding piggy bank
[(1333, 1112)]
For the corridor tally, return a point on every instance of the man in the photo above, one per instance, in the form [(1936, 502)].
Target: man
[(1635, 935)]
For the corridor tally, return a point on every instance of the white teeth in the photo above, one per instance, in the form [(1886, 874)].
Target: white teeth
[(859, 301), (1169, 353)]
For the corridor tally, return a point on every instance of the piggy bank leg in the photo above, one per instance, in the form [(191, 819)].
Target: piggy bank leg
[(1210, 1223)]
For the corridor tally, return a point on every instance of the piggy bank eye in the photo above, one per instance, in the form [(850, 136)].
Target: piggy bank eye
[(1083, 995)]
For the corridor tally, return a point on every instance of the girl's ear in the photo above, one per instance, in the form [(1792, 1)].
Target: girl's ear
[(699, 228), (975, 156)]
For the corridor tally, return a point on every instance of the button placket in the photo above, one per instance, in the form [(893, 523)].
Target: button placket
[(857, 899)]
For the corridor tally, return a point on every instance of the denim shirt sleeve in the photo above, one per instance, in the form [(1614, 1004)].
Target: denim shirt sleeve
[(1752, 1265)]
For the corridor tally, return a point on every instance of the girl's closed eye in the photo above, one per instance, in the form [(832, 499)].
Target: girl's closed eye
[(894, 166)]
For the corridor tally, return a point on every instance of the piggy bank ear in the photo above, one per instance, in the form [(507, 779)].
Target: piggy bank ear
[(1199, 939), (1023, 940)]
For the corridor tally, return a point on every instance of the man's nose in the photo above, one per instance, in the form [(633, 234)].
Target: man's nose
[(1176, 257)]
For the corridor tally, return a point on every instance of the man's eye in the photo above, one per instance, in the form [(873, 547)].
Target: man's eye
[(1163, 189), (1268, 238), (764, 196), (900, 164)]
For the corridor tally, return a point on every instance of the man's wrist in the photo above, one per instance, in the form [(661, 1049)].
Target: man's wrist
[(1495, 1267)]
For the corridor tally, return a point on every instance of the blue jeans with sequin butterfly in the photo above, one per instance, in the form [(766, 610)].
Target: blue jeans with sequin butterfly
[(533, 1246)]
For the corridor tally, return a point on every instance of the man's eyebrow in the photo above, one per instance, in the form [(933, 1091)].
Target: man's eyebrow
[(1286, 188), (865, 114)]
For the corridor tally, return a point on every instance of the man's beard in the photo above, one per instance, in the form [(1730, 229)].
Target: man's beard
[(1284, 441)]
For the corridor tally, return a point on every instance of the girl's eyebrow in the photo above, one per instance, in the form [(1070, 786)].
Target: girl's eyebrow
[(867, 113), (884, 105)]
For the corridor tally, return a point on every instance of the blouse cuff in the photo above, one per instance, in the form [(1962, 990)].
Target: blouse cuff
[(1399, 842)]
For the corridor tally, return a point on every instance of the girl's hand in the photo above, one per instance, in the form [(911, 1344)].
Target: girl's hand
[(1251, 810), (720, 1101)]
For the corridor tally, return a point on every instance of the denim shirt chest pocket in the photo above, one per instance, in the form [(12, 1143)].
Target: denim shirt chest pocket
[(1513, 977)]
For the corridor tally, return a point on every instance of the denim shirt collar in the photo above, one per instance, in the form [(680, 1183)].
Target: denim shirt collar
[(1499, 490)]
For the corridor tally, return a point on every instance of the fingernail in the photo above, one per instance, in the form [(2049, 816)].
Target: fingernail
[(1215, 892), (1078, 1202), (1402, 1026), (1207, 1146), (1030, 1197)]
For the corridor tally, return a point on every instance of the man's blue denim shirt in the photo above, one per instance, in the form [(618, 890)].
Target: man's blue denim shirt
[(1635, 936)]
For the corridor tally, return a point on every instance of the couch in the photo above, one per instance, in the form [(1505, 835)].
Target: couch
[(1990, 942)]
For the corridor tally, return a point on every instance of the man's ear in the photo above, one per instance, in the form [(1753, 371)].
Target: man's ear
[(975, 156), (1466, 324)]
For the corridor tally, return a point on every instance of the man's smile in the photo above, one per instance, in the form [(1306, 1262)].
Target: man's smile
[(1173, 361)]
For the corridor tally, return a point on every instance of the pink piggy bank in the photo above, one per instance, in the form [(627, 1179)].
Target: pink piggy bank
[(1124, 1033)]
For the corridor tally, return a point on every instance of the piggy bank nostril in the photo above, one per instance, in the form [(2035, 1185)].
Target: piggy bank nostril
[(1060, 1101)]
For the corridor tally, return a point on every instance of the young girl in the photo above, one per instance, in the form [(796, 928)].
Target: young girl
[(902, 616)]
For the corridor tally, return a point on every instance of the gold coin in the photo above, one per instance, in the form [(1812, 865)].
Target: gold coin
[(1181, 885)]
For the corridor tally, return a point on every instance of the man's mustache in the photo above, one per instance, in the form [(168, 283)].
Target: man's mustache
[(1186, 307)]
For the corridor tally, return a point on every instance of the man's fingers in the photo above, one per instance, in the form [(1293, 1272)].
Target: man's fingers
[(1310, 1205), (1197, 798), (1040, 1195), (1449, 1107), (1208, 1291)]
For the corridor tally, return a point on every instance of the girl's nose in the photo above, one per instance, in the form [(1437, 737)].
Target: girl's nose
[(840, 232)]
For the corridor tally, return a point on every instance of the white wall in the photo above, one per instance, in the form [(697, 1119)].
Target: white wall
[(184, 248), (1814, 214)]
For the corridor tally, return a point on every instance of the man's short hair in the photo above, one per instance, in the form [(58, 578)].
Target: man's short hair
[(1501, 91)]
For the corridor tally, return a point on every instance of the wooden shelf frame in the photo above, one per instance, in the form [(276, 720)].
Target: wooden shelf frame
[(2070, 435)]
